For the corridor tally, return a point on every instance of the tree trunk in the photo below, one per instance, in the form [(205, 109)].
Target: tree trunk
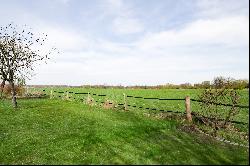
[(13, 92), (2, 87)]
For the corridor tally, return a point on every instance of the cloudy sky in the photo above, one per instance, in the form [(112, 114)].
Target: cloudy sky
[(137, 42)]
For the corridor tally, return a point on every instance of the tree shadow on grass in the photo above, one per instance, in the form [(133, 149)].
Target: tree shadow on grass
[(173, 147)]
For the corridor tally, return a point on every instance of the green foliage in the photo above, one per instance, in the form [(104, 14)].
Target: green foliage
[(229, 83), (212, 98), (21, 81), (218, 82)]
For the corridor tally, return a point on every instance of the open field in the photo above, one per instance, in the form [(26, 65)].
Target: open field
[(170, 107), (116, 96), (44, 131)]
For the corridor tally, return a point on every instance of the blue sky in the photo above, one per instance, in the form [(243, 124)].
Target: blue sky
[(137, 42)]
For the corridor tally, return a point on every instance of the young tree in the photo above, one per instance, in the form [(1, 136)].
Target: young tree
[(219, 82), (19, 52)]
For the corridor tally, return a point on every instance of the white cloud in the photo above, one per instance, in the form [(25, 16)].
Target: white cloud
[(216, 44), (222, 8), (124, 20), (115, 3), (99, 68), (65, 39), (112, 47), (158, 58), (232, 31), (123, 25)]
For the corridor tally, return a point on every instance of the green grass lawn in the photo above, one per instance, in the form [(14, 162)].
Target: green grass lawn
[(116, 95), (43, 131)]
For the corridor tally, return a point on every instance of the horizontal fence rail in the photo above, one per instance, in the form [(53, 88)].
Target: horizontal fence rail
[(151, 98), (219, 119), (155, 98), (156, 109), (221, 104)]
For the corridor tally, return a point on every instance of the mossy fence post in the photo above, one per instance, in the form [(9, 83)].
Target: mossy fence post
[(88, 98), (125, 102), (51, 94), (188, 109), (67, 95)]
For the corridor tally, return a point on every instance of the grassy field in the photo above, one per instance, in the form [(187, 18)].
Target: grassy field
[(43, 131), (116, 95)]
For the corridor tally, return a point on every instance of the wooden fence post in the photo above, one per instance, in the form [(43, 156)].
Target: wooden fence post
[(125, 102), (88, 97), (67, 95), (27, 90), (51, 94), (63, 96), (188, 109)]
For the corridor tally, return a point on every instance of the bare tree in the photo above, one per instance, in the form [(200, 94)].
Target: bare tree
[(19, 53), (219, 82)]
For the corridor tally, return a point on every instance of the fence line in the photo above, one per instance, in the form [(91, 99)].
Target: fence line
[(228, 105), (197, 115), (162, 110), (155, 98)]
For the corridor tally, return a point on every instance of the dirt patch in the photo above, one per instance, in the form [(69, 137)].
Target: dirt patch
[(108, 104), (189, 128), (90, 101), (167, 115)]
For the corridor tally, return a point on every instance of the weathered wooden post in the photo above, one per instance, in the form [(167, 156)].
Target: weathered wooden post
[(89, 101), (63, 96), (88, 98), (27, 90), (51, 94), (67, 95), (125, 102), (188, 109)]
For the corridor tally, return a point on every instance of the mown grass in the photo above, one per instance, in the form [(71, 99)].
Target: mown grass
[(43, 131)]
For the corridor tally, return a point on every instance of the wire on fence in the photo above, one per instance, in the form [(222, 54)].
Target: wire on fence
[(219, 119), (150, 98), (222, 104), (78, 93), (170, 99), (155, 98), (154, 109), (101, 95)]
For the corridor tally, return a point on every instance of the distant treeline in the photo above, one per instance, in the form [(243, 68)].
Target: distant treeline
[(55, 86), (218, 82)]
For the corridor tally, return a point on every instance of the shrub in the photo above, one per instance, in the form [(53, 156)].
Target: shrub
[(20, 90), (211, 98)]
